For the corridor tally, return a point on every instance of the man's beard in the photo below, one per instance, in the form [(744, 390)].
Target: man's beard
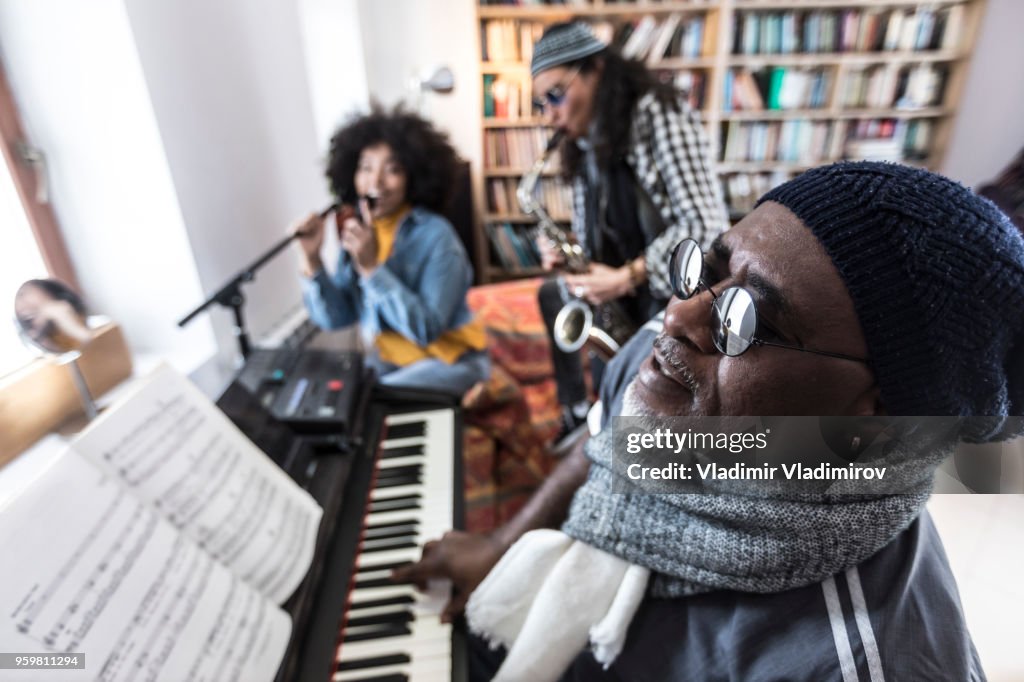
[(632, 405)]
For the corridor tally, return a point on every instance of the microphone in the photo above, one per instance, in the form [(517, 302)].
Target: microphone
[(346, 211)]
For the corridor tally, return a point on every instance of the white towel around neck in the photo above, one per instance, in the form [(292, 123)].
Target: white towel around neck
[(547, 597)]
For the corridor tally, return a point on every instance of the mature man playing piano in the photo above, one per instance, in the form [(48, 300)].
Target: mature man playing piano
[(892, 291)]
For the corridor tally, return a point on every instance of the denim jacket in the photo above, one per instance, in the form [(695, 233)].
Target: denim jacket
[(419, 291)]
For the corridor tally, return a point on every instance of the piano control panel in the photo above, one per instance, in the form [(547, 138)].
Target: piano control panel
[(314, 391)]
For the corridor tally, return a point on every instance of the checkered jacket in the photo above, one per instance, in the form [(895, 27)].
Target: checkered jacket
[(671, 157)]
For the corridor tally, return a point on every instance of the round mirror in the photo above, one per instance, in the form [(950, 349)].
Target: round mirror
[(51, 316)]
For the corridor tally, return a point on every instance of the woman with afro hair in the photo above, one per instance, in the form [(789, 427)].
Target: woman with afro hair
[(402, 273)]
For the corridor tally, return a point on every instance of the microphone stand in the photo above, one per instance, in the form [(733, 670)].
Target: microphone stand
[(230, 295)]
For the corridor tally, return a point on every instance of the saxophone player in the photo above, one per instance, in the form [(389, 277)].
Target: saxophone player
[(640, 168)]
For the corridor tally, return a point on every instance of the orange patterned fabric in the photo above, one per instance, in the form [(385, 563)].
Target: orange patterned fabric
[(511, 419)]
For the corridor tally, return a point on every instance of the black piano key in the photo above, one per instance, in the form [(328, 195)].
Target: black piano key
[(377, 568), (393, 617), (368, 548), (379, 582), (396, 481), (407, 430), (393, 505), (398, 498), (377, 633), (393, 524), (406, 470), (374, 662), (402, 451), (387, 601), (393, 677), (403, 531)]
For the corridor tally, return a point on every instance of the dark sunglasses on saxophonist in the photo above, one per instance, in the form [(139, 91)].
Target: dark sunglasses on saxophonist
[(555, 95)]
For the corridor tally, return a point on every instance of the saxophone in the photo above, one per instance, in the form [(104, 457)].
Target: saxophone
[(575, 325)]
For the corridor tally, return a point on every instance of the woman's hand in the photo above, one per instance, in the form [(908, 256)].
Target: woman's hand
[(600, 284), (360, 240), (309, 233)]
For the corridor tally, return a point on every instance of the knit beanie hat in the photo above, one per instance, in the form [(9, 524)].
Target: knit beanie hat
[(562, 44), (936, 275)]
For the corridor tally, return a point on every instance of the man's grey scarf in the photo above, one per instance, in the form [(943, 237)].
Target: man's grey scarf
[(697, 543)]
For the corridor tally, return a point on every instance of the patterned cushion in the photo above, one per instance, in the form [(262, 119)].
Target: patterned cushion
[(510, 418), (515, 329)]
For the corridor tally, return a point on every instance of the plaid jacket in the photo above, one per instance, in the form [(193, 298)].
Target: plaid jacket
[(671, 157)]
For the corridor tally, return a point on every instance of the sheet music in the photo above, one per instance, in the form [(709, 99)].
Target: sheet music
[(88, 568), (170, 446)]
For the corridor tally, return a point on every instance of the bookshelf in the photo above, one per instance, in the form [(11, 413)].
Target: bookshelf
[(781, 86)]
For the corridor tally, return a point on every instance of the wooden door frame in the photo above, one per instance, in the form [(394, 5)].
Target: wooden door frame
[(40, 215)]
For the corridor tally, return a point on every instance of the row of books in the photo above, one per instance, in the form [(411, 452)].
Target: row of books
[(645, 38), (847, 30), (509, 40), (807, 142), (516, 148), (742, 190), (673, 37), (794, 141), (514, 247), (891, 85), (508, 97), (555, 196), (889, 139), (776, 88)]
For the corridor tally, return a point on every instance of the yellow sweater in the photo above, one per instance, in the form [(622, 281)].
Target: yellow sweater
[(398, 350)]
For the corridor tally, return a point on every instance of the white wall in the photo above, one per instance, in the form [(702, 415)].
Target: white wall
[(333, 44), (229, 90), (74, 71), (402, 38), (989, 127)]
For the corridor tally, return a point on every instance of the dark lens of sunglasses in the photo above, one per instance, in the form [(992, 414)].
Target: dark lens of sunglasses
[(555, 96), (733, 321), (685, 268)]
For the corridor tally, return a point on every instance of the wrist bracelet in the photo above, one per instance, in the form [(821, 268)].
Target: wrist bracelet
[(636, 273)]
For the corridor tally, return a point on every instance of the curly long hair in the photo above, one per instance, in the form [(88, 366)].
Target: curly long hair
[(425, 154), (623, 82)]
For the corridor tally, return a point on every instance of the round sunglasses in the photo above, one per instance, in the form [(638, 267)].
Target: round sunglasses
[(734, 320), (556, 93)]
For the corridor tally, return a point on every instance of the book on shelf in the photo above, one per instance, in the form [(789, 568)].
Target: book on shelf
[(513, 246), (793, 141), (160, 543), (507, 97), (894, 86), (554, 195), (663, 37), (516, 148), (742, 190)]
